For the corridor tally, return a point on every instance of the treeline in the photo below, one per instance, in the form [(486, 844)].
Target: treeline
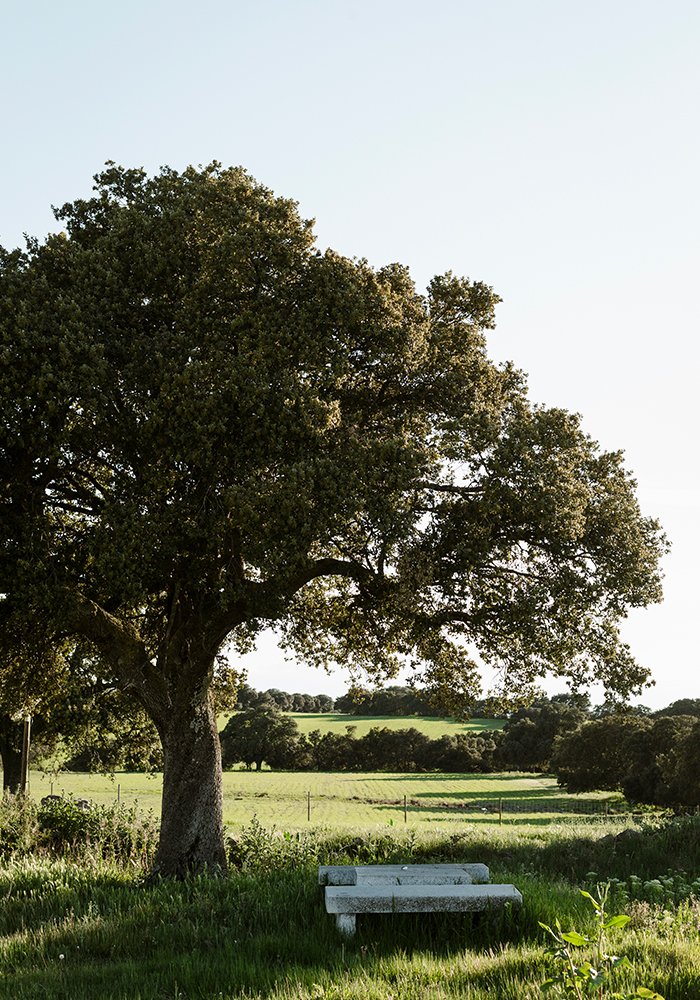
[(263, 735), (395, 700), (651, 757), (248, 697)]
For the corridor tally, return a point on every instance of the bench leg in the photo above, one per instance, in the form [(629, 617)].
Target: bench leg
[(345, 922)]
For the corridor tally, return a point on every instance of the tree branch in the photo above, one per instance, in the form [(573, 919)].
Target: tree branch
[(123, 649)]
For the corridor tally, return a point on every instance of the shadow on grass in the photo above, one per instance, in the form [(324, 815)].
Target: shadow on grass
[(247, 934), (231, 937), (473, 779)]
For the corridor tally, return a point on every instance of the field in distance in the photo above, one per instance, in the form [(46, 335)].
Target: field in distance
[(350, 800), (432, 726)]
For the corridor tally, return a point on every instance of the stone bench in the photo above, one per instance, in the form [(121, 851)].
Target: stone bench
[(402, 874), (354, 889)]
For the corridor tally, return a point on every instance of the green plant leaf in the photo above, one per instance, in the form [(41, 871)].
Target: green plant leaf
[(619, 921), (573, 937)]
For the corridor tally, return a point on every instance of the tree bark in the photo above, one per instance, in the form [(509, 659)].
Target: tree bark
[(192, 828), (11, 754)]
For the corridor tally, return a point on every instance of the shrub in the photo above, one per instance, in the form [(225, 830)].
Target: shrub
[(62, 827)]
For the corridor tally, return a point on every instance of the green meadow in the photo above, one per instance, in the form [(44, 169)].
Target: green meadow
[(79, 921), (433, 727), (80, 927), (335, 722), (345, 800)]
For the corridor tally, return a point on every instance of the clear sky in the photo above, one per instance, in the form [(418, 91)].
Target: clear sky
[(549, 148)]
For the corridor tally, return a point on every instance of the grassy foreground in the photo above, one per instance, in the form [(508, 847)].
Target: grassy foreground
[(84, 930)]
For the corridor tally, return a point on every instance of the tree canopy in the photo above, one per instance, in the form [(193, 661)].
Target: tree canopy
[(210, 426)]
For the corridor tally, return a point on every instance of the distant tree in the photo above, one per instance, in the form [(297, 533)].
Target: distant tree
[(574, 699), (464, 753), (384, 749), (529, 735), (392, 700), (617, 707), (354, 702), (652, 775), (680, 767), (257, 735), (599, 754), (281, 699), (248, 697), (333, 751), (684, 706), (324, 703)]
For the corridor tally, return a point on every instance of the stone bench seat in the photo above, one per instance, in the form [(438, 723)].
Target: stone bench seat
[(403, 874), (347, 901)]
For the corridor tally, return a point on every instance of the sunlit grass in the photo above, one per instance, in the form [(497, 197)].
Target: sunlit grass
[(90, 931), (344, 800), (433, 727)]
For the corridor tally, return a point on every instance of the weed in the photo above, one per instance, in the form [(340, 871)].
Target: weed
[(584, 978)]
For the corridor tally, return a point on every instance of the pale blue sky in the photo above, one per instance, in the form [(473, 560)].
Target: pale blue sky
[(548, 147)]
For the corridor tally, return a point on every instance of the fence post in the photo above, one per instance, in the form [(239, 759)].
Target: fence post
[(308, 807), (500, 812), (24, 760), (119, 793), (405, 810)]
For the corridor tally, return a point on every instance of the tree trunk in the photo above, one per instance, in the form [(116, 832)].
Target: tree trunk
[(11, 753), (192, 828)]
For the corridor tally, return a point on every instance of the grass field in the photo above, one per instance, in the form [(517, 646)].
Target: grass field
[(84, 930), (346, 800), (433, 727)]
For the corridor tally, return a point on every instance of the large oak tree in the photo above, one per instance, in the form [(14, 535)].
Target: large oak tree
[(209, 426)]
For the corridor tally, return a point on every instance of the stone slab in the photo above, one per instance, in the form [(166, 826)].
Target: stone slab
[(354, 899), (444, 874)]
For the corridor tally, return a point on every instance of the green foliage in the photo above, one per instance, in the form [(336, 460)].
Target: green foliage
[(667, 890), (260, 734), (683, 706), (579, 979), (598, 753), (655, 775), (390, 700), (117, 832), (208, 425), (652, 760), (529, 734), (18, 824), (62, 827)]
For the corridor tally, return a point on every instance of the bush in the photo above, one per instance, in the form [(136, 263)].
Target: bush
[(18, 824), (529, 735), (62, 827), (597, 755)]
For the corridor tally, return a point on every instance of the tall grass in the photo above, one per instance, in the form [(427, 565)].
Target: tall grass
[(87, 926)]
